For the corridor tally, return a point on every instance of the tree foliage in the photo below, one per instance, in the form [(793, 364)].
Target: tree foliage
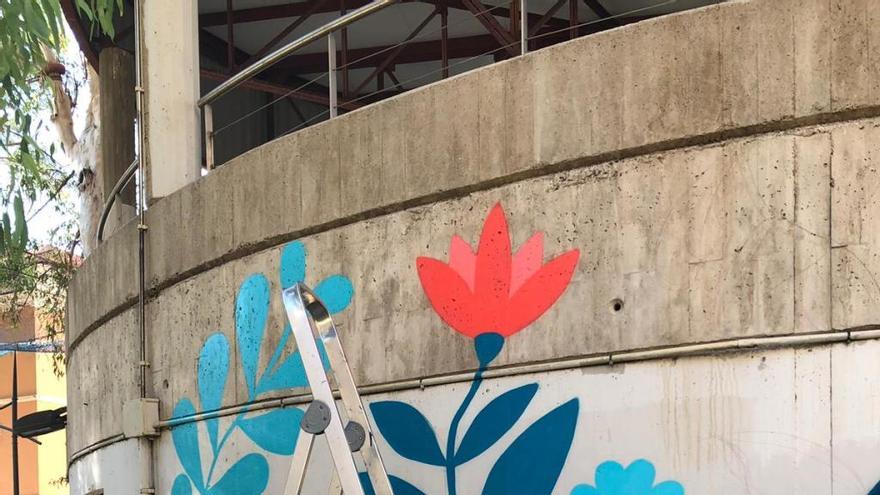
[(35, 178)]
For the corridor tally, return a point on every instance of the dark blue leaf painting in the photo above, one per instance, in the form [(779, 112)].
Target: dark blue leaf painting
[(248, 476), (875, 490), (251, 312), (213, 369), (275, 431), (534, 460), (186, 443), (493, 421), (398, 486), (407, 432)]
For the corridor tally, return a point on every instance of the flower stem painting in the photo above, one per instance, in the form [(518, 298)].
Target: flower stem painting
[(488, 296)]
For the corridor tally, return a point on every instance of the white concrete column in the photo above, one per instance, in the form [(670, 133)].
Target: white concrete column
[(171, 82)]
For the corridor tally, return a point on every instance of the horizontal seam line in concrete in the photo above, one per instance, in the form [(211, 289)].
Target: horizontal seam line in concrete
[(715, 137), (680, 351)]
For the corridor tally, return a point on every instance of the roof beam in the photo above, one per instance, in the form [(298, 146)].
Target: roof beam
[(279, 90), (283, 11), (601, 11), (302, 8), (414, 52)]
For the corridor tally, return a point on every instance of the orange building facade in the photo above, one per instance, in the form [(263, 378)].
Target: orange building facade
[(42, 468)]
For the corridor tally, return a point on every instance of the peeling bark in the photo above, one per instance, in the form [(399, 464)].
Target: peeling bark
[(82, 151)]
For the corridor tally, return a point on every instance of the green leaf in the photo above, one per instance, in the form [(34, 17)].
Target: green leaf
[(84, 8), (21, 233)]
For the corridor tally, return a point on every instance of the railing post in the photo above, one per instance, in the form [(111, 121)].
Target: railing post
[(209, 137), (331, 72), (523, 27)]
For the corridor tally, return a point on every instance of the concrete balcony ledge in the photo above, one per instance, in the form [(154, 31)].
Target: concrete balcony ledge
[(734, 69)]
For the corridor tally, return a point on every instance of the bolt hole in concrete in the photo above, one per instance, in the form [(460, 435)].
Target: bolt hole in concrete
[(616, 305)]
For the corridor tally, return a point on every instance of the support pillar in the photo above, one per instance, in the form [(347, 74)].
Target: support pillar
[(171, 83), (118, 113)]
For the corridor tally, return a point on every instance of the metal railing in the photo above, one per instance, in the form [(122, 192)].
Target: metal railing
[(528, 34), (264, 63), (114, 194)]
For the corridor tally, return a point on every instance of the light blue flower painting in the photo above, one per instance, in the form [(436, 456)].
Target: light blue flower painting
[(635, 479), (275, 431)]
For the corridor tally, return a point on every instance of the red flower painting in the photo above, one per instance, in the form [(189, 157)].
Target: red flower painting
[(494, 290)]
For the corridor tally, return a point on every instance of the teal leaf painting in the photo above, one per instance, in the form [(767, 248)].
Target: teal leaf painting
[(275, 431), (407, 432), (493, 421), (532, 463)]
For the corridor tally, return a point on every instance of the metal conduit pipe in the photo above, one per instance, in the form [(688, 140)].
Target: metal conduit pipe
[(147, 473), (608, 359), (871, 332), (114, 193)]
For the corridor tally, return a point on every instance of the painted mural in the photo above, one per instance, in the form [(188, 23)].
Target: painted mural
[(275, 431), (488, 296)]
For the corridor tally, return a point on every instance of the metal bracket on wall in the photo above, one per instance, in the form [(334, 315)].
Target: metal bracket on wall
[(309, 319)]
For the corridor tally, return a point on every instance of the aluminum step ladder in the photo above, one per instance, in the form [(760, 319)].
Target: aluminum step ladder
[(309, 319)]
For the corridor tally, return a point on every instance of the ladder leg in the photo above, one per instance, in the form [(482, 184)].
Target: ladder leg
[(297, 474), (304, 333), (335, 485), (355, 408)]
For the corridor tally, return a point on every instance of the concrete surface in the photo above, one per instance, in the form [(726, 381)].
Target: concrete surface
[(716, 169)]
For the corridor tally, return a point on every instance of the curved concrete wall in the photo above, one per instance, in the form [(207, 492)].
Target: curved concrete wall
[(714, 169)]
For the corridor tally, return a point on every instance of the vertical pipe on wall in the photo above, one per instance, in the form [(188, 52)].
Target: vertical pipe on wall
[(15, 487), (523, 27), (331, 72), (145, 454)]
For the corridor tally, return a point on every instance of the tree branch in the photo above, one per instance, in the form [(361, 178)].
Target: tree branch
[(62, 117)]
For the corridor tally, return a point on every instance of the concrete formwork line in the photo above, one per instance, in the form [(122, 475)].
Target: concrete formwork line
[(804, 125), (871, 332)]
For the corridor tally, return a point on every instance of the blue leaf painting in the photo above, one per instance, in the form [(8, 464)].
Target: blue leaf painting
[(248, 476), (335, 292), (181, 486), (213, 370), (875, 490), (291, 372), (532, 463), (493, 421), (275, 431), (407, 432), (293, 264), (398, 486), (186, 443), (635, 479), (251, 312)]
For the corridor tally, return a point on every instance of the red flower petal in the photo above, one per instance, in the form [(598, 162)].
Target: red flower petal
[(449, 295), (463, 260), (539, 292), (492, 281), (527, 261)]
